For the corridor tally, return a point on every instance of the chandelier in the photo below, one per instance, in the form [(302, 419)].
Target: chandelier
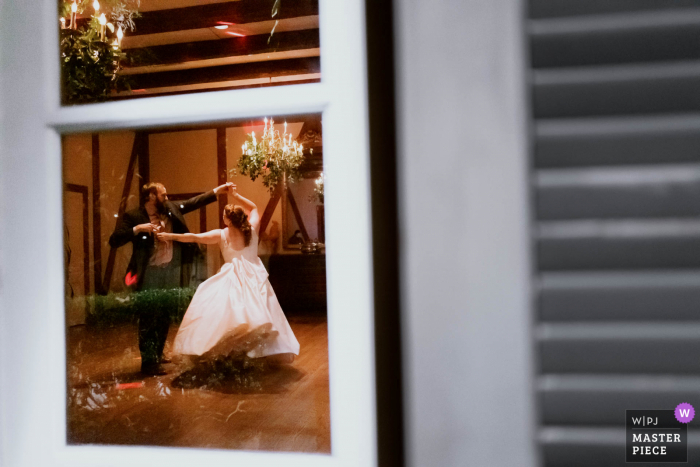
[(91, 47), (274, 157)]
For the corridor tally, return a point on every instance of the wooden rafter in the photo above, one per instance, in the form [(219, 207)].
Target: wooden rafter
[(244, 71), (270, 209), (222, 171), (224, 88), (208, 16), (248, 122), (297, 215), (137, 147), (83, 190), (236, 46), (96, 214)]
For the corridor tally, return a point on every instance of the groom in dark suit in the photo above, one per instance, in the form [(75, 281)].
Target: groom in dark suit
[(157, 264)]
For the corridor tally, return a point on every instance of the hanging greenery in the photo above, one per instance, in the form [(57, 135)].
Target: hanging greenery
[(272, 157), (88, 67), (90, 59)]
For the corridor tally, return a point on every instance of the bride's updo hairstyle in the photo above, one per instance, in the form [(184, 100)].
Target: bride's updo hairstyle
[(239, 220)]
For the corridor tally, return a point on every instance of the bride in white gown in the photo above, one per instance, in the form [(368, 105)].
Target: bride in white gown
[(236, 310)]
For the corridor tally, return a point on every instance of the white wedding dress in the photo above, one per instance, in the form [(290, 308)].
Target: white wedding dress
[(236, 311)]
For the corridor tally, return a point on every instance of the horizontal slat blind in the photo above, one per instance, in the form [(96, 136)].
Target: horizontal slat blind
[(616, 103)]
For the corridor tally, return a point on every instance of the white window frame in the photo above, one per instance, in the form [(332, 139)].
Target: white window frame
[(33, 418)]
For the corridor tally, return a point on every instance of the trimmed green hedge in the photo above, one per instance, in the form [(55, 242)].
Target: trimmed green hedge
[(115, 308)]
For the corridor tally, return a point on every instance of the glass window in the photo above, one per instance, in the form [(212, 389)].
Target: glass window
[(191, 319), (124, 49)]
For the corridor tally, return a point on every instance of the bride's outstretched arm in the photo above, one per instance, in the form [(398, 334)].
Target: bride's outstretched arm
[(248, 205), (207, 237)]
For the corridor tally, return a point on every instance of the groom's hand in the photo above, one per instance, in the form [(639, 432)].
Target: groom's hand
[(146, 228), (225, 187)]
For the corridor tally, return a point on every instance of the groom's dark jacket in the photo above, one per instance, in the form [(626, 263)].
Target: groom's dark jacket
[(143, 243)]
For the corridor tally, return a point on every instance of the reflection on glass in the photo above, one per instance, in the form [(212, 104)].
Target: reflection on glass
[(188, 322), (120, 49)]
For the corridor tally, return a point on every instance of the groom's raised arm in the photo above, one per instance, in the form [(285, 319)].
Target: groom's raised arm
[(198, 201)]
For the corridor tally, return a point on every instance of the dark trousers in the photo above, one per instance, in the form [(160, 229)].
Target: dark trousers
[(153, 332), (154, 321)]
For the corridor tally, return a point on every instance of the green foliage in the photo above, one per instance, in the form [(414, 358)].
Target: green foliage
[(90, 64), (114, 308), (88, 67)]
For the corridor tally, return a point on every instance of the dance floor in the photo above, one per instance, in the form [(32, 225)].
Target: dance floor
[(257, 407)]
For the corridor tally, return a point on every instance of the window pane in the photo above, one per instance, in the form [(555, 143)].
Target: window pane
[(190, 321), (123, 49)]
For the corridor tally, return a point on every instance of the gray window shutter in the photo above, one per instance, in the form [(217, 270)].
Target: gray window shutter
[(616, 101)]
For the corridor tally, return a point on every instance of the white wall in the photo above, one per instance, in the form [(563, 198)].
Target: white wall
[(24, 168), (465, 253)]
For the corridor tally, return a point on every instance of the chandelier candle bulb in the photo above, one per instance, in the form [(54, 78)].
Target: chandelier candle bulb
[(103, 23), (96, 6), (120, 35), (73, 14), (63, 23)]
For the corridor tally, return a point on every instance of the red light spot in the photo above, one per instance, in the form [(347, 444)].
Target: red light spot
[(121, 386), (225, 22), (130, 280), (138, 90)]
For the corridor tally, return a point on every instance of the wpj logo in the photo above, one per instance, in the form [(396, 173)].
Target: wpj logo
[(658, 435)]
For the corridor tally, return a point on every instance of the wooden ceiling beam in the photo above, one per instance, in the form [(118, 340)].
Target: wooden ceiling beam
[(190, 91), (207, 16), (268, 69), (246, 122), (235, 46)]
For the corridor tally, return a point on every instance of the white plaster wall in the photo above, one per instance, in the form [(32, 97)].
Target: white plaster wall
[(465, 250)]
